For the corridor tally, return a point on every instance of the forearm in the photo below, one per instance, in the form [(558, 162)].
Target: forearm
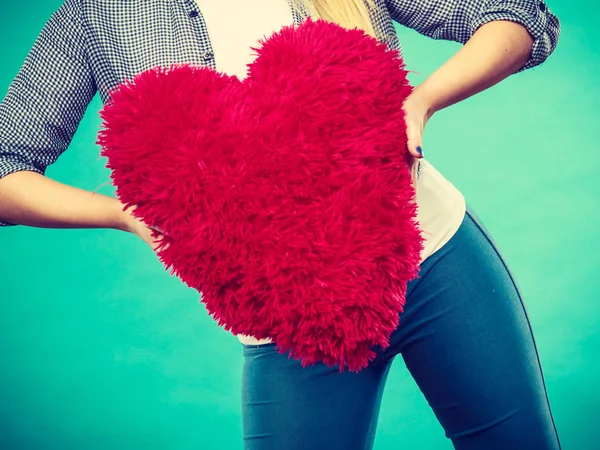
[(495, 51), (28, 198)]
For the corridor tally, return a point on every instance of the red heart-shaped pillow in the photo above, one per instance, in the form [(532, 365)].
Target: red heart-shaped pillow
[(286, 198)]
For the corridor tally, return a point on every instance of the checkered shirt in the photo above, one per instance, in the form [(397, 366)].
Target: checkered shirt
[(90, 46)]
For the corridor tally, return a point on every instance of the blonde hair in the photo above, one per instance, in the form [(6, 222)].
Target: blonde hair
[(346, 13)]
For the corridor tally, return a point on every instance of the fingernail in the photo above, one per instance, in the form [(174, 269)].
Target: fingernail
[(420, 150)]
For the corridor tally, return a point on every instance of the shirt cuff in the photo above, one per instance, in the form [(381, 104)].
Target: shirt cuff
[(537, 19)]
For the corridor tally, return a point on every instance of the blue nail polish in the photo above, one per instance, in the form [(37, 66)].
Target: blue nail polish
[(420, 150)]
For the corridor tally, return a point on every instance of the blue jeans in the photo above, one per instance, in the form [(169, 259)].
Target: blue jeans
[(465, 338)]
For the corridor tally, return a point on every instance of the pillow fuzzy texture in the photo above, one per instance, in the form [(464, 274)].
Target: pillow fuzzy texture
[(286, 198)]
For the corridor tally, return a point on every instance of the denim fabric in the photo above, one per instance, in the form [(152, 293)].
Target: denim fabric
[(464, 336)]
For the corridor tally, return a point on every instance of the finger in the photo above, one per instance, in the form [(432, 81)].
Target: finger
[(415, 148), (414, 141), (414, 167), (159, 244), (155, 238), (158, 230)]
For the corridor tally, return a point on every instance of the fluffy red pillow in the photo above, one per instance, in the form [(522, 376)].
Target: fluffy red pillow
[(286, 198)]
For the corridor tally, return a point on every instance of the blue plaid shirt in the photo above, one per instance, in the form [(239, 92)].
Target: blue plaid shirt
[(90, 46)]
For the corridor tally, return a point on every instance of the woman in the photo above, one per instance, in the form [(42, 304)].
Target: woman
[(464, 333)]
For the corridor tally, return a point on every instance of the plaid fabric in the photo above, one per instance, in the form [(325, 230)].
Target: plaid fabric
[(90, 46)]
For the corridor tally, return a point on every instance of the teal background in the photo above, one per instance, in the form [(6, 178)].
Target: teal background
[(102, 349)]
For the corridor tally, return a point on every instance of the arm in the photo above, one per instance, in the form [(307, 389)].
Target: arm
[(29, 198), (501, 37), (38, 118)]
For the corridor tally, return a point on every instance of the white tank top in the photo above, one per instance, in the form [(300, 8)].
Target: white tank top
[(234, 26)]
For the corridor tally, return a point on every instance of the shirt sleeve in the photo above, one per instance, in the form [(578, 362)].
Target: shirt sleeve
[(457, 20), (48, 97)]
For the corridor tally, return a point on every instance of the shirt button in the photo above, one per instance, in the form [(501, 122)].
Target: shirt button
[(207, 55), (193, 14)]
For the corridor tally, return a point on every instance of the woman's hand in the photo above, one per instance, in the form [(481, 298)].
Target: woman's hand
[(496, 50), (418, 112), (150, 235)]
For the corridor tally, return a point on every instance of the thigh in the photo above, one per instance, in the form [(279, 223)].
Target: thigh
[(285, 406), (466, 339)]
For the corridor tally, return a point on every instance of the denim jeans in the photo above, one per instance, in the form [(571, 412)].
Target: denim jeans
[(464, 336)]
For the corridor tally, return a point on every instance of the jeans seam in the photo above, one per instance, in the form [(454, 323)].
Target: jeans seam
[(514, 282)]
